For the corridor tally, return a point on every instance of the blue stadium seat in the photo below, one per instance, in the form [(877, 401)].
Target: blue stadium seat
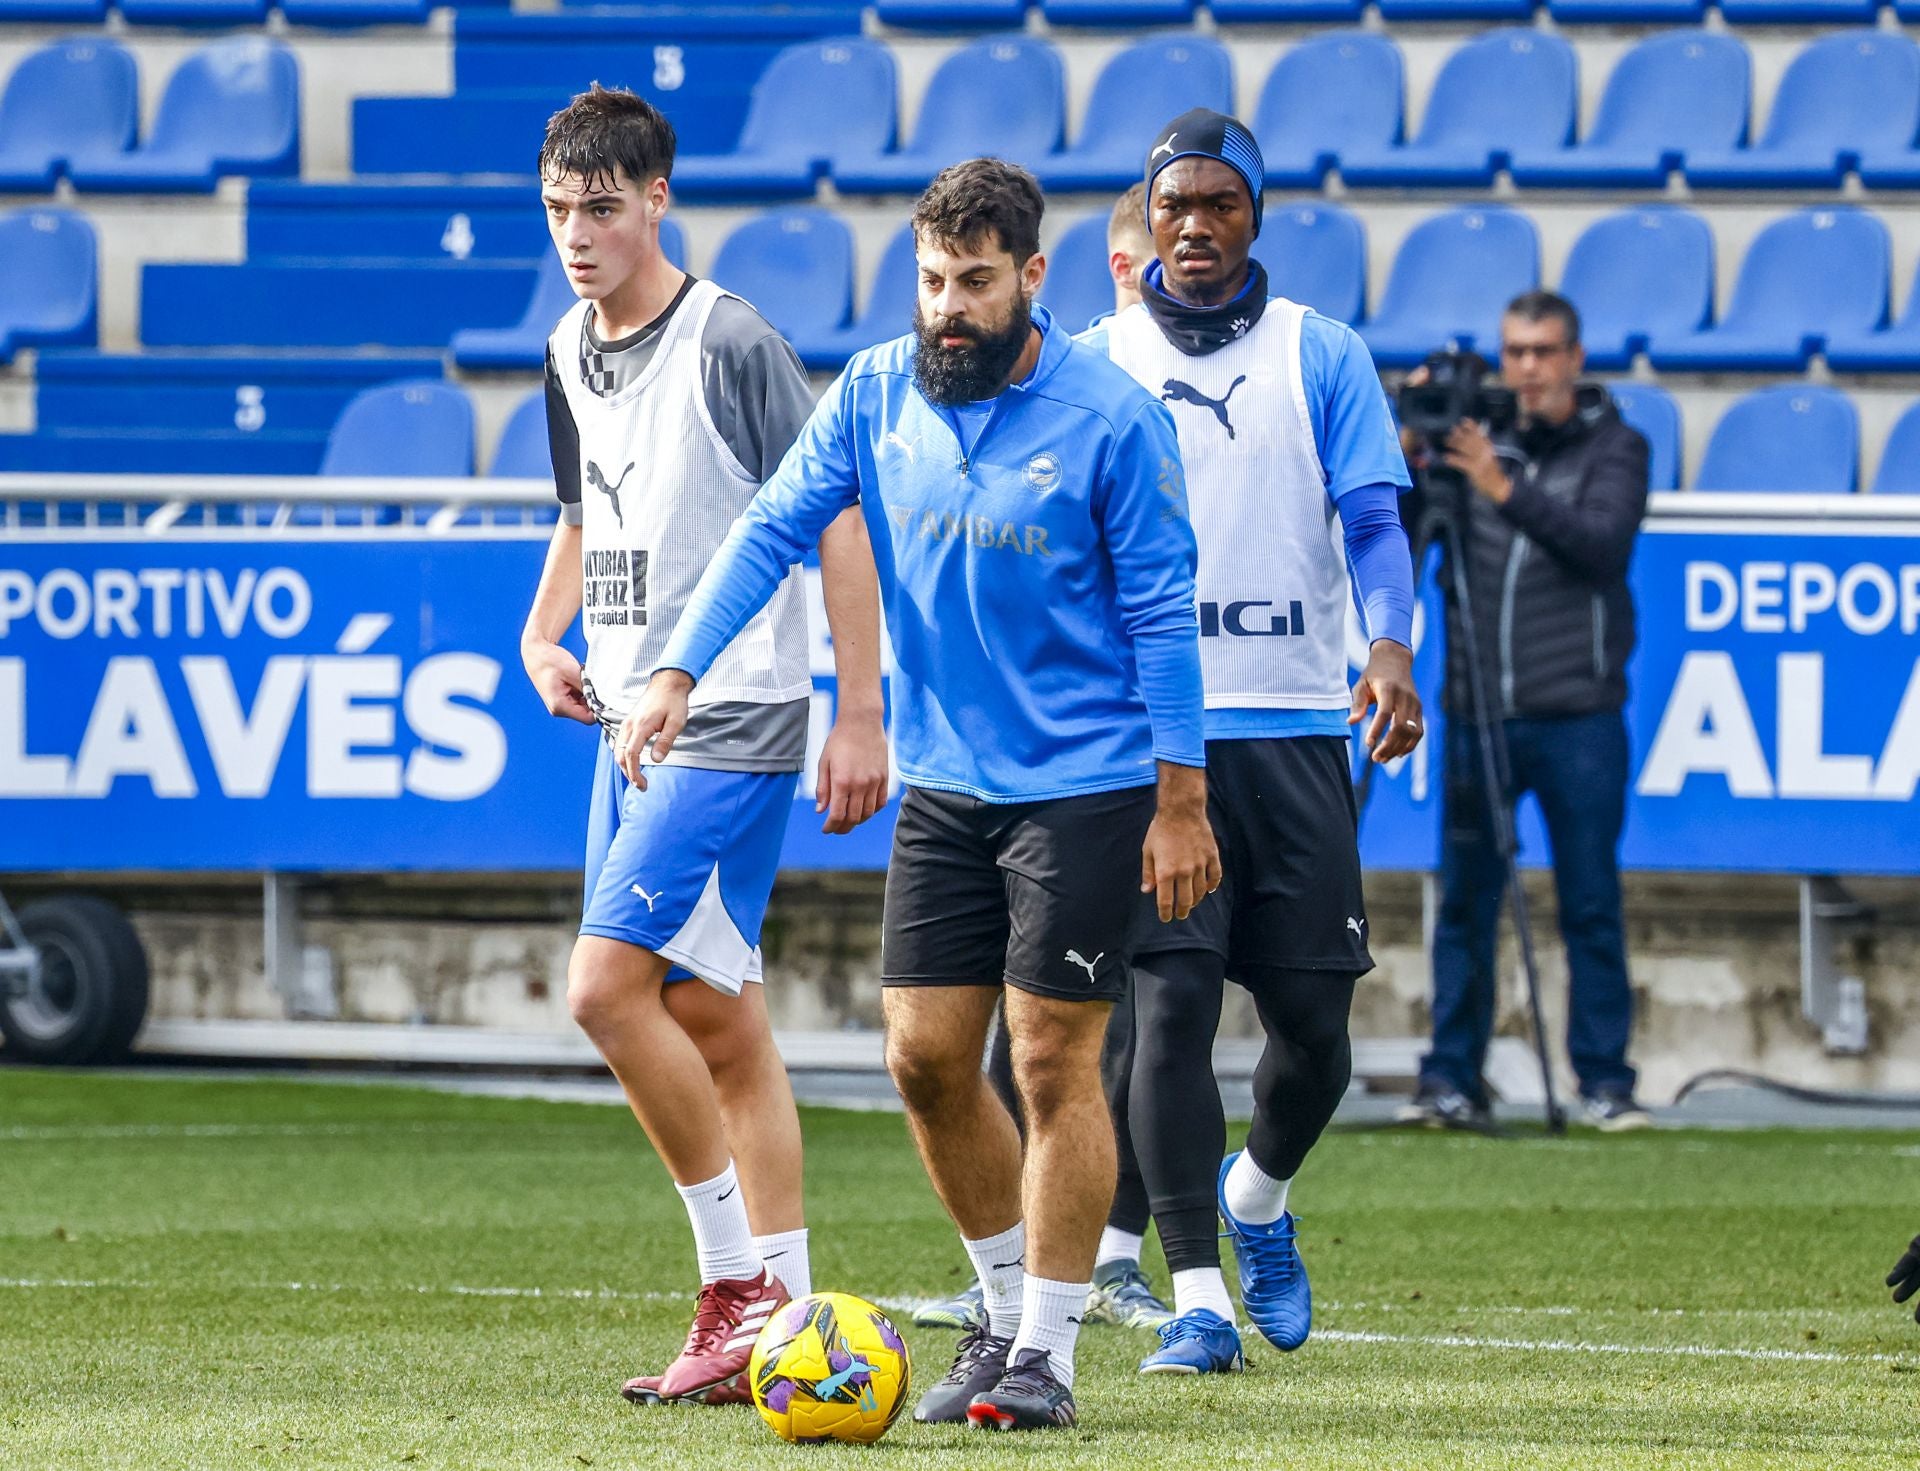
[(1846, 95), (328, 304), (1456, 9), (887, 314), (163, 452), (1899, 472), (416, 427), (1791, 437), (193, 12), (522, 453), (1138, 93), (1326, 96), (952, 15), (53, 12), (339, 14), (1651, 409), (222, 394), (1800, 12), (794, 265), (1814, 273), (1316, 254), (1512, 90), (817, 101), (1639, 274), (232, 108), (78, 96), (1451, 281), (1119, 13), (49, 290), (388, 221), (1003, 97), (524, 344), (1628, 12), (1893, 349), (1287, 12), (1079, 287), (1672, 93)]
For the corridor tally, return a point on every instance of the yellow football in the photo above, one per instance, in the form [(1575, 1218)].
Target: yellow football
[(830, 1367)]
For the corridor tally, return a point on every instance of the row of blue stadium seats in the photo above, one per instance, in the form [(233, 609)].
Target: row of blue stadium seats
[(1814, 281), (986, 14), (72, 109), (958, 14), (328, 13), (1784, 438), (1679, 101)]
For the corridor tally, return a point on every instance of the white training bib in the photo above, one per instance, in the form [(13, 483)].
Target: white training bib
[(659, 490), (1272, 584)]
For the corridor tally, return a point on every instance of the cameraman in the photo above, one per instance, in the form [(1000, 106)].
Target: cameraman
[(1551, 508)]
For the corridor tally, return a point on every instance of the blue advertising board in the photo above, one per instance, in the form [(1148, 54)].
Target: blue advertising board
[(173, 703)]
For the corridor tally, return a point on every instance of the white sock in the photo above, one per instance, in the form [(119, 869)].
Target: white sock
[(1201, 1287), (785, 1254), (721, 1234), (1252, 1194), (1050, 1320), (1000, 1262), (1119, 1246)]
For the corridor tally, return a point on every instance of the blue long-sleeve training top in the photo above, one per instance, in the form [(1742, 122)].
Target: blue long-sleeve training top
[(1036, 569)]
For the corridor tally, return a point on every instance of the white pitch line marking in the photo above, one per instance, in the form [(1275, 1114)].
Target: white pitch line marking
[(1655, 1350)]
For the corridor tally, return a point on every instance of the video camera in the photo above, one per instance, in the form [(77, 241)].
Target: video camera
[(1457, 386)]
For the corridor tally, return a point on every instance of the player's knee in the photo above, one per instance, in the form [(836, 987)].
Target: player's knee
[(927, 1076), (1054, 1081)]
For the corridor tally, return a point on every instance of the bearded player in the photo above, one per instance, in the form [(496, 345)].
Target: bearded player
[(669, 401), (1025, 502), (1293, 476)]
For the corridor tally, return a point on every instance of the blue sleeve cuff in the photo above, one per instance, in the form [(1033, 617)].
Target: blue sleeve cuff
[(1380, 560), (1169, 666)]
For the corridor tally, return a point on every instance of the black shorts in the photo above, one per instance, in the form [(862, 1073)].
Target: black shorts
[(1283, 814), (1036, 895)]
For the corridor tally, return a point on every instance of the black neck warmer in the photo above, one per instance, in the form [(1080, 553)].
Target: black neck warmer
[(1199, 330)]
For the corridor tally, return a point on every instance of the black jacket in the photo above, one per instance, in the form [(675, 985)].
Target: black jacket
[(1548, 569)]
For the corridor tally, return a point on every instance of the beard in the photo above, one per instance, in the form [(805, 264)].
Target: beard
[(980, 366)]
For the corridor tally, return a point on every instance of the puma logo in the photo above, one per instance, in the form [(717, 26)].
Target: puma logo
[(1356, 925), (1085, 964), (651, 897), (598, 480), (908, 447), (1019, 1261), (1166, 148), (1174, 391)]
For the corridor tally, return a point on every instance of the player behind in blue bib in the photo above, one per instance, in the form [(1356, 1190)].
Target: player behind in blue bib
[(1293, 475), (1029, 521), (668, 402)]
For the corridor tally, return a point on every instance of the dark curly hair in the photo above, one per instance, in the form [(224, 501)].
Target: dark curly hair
[(604, 129), (980, 201)]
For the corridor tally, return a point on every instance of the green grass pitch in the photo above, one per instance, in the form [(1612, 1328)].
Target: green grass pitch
[(215, 1274)]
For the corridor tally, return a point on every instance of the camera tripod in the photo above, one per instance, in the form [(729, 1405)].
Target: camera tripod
[(1442, 524)]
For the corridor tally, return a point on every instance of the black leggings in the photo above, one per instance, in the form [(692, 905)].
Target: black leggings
[(1129, 1211), (1178, 1126)]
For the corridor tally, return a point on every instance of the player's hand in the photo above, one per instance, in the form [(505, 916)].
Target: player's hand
[(556, 675), (656, 722), (1904, 1279), (853, 772), (1387, 685), (1180, 862)]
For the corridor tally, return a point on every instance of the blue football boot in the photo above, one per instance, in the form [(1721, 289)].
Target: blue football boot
[(1197, 1342), (1273, 1279)]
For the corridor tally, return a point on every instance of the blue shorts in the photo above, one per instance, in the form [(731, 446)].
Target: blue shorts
[(684, 868)]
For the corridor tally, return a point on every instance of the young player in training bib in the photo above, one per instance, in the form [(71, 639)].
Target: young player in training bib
[(668, 401), (1026, 507), (1293, 474)]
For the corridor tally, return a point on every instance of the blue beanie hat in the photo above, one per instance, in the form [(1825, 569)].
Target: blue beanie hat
[(1204, 133)]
